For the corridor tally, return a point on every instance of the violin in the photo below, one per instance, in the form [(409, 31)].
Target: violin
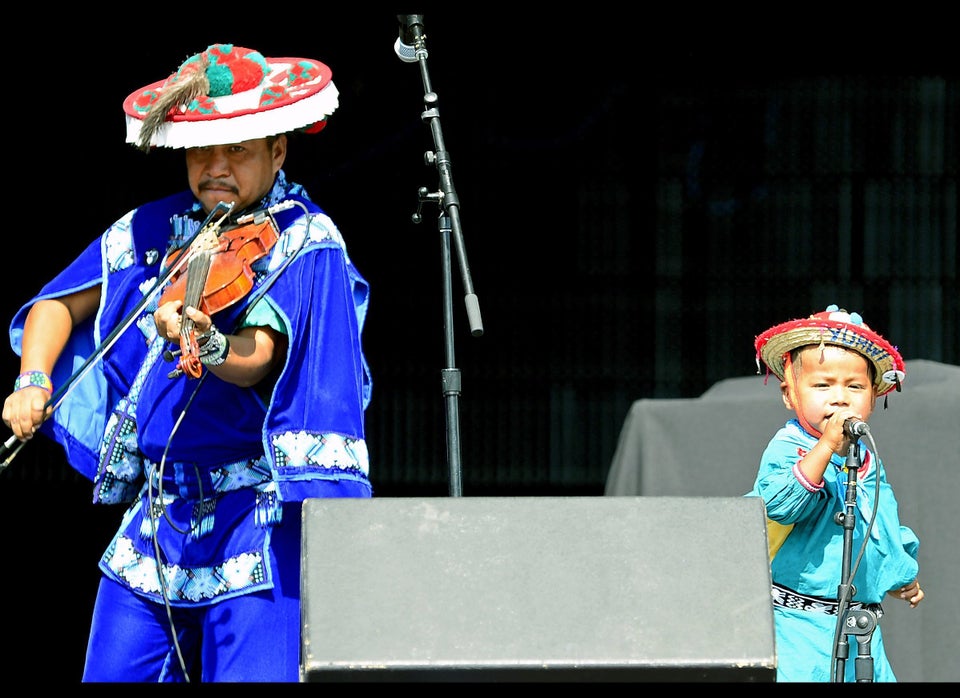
[(217, 273)]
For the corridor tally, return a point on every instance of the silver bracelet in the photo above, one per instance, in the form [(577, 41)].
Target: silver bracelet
[(214, 347)]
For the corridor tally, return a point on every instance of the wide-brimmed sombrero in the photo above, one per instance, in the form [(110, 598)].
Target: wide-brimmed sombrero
[(230, 94), (837, 327)]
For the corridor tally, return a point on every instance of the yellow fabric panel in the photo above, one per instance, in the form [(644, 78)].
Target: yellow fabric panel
[(776, 534)]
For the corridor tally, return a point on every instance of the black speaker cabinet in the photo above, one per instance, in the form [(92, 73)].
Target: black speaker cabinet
[(536, 589)]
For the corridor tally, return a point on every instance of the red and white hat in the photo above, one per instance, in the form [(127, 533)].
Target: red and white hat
[(837, 327), (230, 94)]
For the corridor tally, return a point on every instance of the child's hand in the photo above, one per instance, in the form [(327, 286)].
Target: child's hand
[(912, 593), (834, 433)]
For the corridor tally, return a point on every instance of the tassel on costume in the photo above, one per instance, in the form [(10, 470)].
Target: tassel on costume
[(268, 510), (201, 518), (154, 512)]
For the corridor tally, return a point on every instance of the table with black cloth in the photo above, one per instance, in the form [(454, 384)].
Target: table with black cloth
[(711, 446)]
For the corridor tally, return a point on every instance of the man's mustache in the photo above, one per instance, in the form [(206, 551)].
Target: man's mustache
[(216, 184)]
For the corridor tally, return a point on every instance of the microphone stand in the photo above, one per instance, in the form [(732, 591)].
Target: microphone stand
[(860, 622), (411, 28)]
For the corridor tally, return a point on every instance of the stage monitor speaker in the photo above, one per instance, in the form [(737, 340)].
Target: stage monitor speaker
[(536, 589)]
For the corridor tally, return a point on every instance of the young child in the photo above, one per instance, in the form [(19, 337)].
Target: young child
[(832, 368)]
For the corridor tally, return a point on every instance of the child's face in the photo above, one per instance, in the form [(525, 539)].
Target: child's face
[(827, 380)]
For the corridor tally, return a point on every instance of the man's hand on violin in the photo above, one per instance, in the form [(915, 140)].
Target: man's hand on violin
[(253, 351), (169, 320)]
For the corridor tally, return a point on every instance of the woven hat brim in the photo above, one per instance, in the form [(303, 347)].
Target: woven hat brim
[(775, 343)]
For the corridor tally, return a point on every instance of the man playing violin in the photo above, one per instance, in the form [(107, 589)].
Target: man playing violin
[(214, 416)]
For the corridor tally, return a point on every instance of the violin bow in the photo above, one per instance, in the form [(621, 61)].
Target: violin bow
[(13, 444)]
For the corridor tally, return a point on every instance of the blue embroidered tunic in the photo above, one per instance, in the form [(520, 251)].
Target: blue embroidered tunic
[(212, 461)]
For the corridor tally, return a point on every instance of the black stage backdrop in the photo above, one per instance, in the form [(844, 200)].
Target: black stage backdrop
[(639, 197)]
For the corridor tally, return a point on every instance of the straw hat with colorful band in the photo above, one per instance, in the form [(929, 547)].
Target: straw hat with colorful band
[(230, 94), (837, 327)]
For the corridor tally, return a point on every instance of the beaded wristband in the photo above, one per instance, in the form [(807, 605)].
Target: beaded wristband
[(213, 351), (37, 379)]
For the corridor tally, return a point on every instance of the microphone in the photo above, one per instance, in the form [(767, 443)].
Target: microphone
[(854, 428), (411, 35), (264, 212)]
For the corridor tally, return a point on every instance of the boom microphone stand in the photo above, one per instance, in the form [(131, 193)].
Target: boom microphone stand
[(411, 47)]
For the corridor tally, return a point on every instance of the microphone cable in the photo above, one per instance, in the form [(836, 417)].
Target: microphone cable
[(261, 292)]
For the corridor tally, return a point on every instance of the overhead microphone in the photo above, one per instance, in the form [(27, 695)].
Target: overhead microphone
[(854, 428), (411, 34)]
